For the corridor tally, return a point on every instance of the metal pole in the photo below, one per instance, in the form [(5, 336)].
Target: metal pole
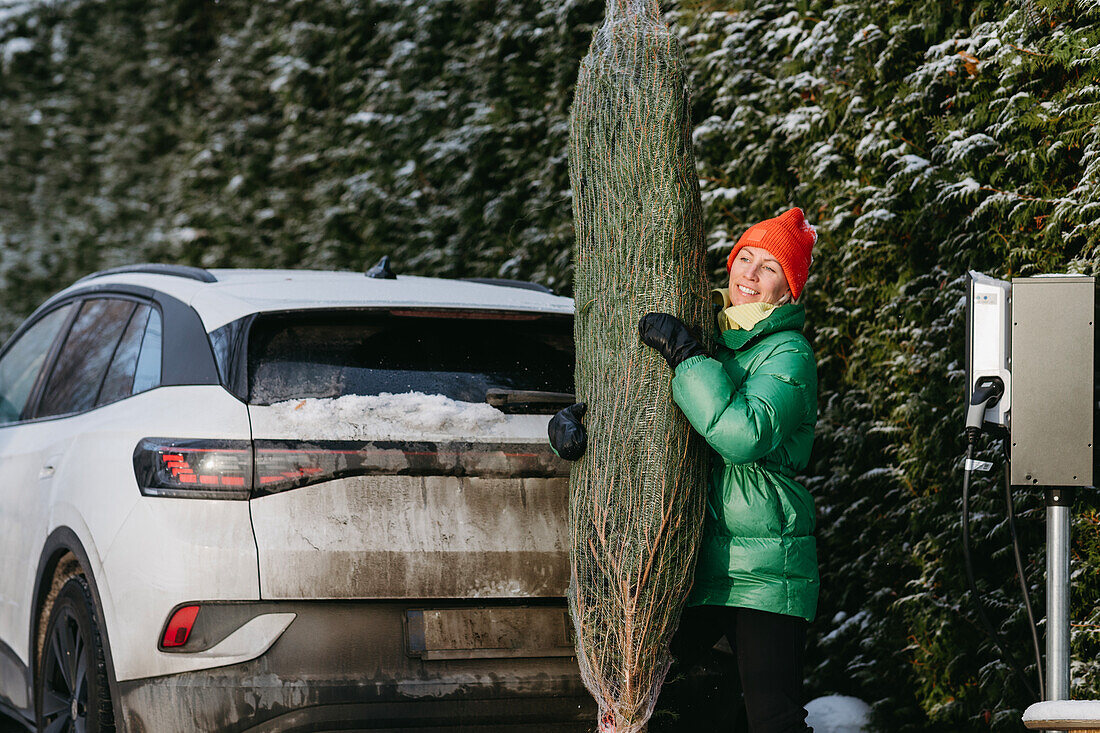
[(1058, 513)]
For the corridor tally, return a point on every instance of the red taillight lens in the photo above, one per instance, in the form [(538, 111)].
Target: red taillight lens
[(282, 465), (240, 469), (194, 469), (179, 626), (289, 464)]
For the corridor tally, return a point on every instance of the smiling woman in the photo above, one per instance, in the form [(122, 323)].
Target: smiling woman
[(756, 276), (755, 402), (771, 260), (753, 398)]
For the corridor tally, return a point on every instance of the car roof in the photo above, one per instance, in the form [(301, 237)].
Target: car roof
[(238, 292)]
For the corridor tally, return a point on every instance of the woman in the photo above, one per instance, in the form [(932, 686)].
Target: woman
[(755, 403)]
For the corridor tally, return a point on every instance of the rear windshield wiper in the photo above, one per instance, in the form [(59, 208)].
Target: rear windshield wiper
[(537, 401)]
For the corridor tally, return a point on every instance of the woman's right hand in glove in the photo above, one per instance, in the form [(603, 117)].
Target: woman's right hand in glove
[(567, 435)]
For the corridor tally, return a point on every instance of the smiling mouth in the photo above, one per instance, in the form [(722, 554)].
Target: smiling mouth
[(747, 291)]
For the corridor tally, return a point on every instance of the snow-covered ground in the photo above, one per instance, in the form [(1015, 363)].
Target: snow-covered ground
[(838, 714)]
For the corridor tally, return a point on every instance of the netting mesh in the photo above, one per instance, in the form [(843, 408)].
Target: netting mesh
[(636, 497)]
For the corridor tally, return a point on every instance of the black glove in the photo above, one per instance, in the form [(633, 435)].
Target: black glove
[(670, 336), (567, 436)]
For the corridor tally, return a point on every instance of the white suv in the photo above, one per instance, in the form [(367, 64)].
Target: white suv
[(286, 500)]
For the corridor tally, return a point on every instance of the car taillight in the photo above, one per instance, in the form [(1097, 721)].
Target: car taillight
[(282, 465), (241, 469), (194, 469), (289, 464)]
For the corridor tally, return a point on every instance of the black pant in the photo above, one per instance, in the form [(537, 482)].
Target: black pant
[(768, 648)]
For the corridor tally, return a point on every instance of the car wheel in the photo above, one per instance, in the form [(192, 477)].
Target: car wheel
[(71, 688)]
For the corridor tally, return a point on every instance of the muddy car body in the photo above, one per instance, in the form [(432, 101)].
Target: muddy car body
[(289, 500)]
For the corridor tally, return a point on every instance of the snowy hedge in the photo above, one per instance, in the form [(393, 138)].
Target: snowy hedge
[(305, 133), (923, 138)]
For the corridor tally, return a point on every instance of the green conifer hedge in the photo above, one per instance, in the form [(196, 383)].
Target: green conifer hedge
[(924, 139)]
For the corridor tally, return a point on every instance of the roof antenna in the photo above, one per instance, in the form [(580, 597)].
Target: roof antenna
[(382, 270)]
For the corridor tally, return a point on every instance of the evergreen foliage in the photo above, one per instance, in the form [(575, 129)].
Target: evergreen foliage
[(285, 134), (922, 138)]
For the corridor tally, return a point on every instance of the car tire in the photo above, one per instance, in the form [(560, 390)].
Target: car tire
[(72, 691)]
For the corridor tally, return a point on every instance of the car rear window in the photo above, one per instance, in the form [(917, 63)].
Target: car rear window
[(464, 357)]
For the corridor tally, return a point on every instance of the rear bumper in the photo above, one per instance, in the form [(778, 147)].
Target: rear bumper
[(347, 666)]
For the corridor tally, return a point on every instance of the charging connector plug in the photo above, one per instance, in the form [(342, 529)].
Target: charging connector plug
[(987, 393)]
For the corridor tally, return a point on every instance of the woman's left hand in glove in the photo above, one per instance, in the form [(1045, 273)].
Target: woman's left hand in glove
[(670, 336)]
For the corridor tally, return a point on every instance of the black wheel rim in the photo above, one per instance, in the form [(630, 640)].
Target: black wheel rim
[(65, 692)]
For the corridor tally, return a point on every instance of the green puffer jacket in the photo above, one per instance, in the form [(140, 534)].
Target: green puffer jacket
[(755, 402)]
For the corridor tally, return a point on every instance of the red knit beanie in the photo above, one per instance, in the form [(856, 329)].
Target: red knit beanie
[(789, 239)]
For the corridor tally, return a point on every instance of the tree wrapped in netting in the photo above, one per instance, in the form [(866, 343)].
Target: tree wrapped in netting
[(636, 497)]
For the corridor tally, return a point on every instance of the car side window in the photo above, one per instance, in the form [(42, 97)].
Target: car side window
[(82, 363), (119, 381), (20, 366), (147, 374)]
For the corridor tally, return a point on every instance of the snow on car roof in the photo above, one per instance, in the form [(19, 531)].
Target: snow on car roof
[(238, 293)]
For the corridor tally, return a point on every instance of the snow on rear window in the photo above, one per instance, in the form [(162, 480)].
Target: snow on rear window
[(409, 416)]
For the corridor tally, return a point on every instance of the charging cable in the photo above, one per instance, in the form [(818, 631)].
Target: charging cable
[(987, 392), (1010, 509)]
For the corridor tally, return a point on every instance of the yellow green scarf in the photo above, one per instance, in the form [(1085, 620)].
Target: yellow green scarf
[(743, 316)]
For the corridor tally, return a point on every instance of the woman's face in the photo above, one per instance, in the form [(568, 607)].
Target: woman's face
[(756, 276)]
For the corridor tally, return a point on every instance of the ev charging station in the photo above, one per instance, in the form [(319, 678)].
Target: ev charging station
[(1031, 380)]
